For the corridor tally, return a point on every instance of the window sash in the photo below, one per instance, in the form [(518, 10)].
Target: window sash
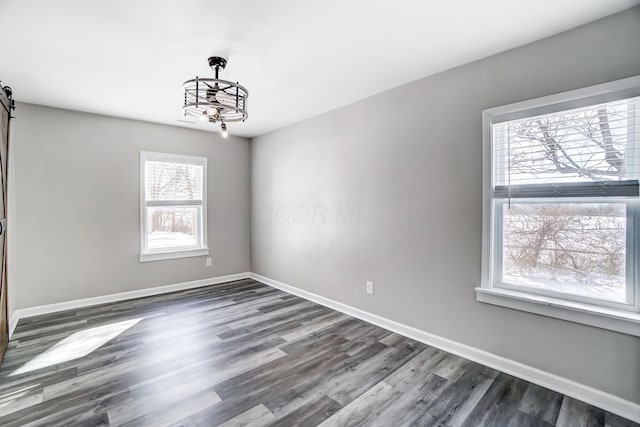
[(631, 303), (628, 188), (199, 233), (177, 203)]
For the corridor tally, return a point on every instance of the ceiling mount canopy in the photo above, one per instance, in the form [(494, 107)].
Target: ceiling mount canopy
[(215, 100)]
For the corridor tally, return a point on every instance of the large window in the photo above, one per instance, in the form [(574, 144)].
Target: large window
[(173, 206), (561, 210)]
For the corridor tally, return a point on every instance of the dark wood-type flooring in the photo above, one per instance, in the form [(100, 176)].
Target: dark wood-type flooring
[(243, 353)]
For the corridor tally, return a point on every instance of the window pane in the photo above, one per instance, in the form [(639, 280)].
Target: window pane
[(171, 227), (573, 248), (173, 181), (596, 143)]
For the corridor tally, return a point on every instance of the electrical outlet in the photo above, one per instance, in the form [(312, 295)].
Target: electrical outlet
[(208, 262), (370, 288)]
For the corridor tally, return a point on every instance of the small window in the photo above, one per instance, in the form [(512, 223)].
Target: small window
[(561, 207), (173, 206)]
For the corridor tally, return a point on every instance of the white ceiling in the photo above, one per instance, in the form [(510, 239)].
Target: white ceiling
[(298, 58)]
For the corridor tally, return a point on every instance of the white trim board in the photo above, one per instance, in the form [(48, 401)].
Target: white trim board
[(122, 296), (626, 322), (590, 395)]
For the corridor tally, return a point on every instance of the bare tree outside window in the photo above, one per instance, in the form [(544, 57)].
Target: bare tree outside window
[(588, 144), (570, 248)]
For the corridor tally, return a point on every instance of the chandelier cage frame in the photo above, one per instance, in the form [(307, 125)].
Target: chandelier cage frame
[(213, 99)]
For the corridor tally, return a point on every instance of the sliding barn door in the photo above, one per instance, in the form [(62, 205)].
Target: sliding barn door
[(5, 115)]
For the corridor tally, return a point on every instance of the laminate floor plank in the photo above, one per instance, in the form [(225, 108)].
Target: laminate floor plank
[(456, 399), (257, 416), (243, 353), (543, 404), (574, 413), (311, 414), (499, 404), (366, 409), (410, 408)]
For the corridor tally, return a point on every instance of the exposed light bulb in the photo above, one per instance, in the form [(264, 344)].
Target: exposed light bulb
[(225, 133)]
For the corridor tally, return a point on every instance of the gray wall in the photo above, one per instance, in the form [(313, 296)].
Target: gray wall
[(74, 225), (389, 189)]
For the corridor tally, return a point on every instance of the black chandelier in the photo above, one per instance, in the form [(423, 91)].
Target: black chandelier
[(215, 100)]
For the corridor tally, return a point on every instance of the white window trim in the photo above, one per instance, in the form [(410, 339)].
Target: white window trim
[(615, 319), (173, 253)]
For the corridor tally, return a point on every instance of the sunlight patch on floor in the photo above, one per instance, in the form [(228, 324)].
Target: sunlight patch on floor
[(7, 397), (76, 345)]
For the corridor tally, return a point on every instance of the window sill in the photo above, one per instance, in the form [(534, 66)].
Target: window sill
[(625, 322), (158, 256)]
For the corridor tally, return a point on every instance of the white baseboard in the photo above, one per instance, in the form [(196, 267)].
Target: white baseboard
[(86, 302), (590, 395)]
